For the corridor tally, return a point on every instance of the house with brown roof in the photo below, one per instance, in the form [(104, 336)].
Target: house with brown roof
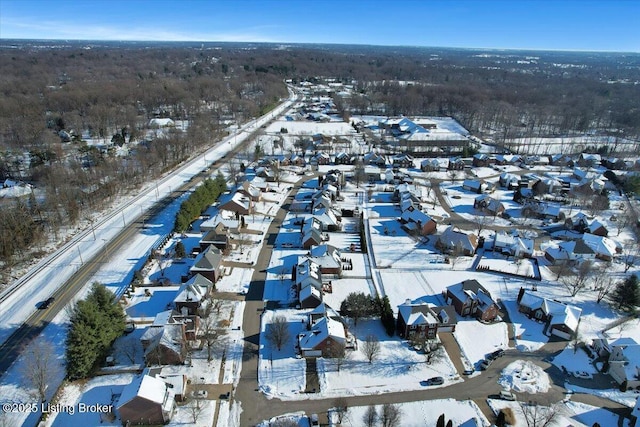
[(423, 321), (147, 400), (470, 298), (208, 263), (239, 203), (457, 242), (218, 237)]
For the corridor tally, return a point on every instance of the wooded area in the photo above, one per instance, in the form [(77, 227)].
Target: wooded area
[(55, 96)]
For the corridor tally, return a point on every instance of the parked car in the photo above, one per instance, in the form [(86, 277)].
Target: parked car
[(434, 381), (582, 374), (46, 303), (468, 371), (485, 364), (507, 395), (496, 354), (287, 245)]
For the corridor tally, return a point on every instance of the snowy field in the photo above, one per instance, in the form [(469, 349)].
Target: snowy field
[(473, 350), (424, 413), (397, 368)]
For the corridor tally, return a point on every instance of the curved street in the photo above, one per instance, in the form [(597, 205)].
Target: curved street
[(256, 407)]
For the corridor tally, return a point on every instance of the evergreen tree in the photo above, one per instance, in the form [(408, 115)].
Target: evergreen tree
[(95, 323), (180, 250), (626, 294), (386, 316)]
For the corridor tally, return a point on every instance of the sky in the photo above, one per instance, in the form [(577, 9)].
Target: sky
[(585, 25)]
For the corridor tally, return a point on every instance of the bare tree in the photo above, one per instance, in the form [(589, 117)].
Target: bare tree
[(537, 415), (371, 348), (580, 279), (209, 332), (370, 417), (359, 175), (390, 416), (195, 408), (40, 367), (130, 348), (629, 254), (277, 332), (602, 284), (336, 351), (453, 174), (341, 407)]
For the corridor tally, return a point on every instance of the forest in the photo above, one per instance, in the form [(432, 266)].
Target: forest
[(57, 94)]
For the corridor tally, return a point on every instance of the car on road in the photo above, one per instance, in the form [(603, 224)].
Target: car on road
[(433, 381), (46, 303), (507, 395), (468, 371)]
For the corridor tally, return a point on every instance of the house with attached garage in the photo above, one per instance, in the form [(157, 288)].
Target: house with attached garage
[(327, 257), (165, 340), (457, 242), (218, 237), (307, 279), (416, 221), (208, 263), (325, 337), (470, 298), (488, 205), (422, 320), (561, 320), (147, 400), (239, 203), (624, 363), (513, 245)]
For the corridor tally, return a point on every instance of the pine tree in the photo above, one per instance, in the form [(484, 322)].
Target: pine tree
[(95, 323), (627, 294)]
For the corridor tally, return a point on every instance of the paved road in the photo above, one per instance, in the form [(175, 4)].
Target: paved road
[(256, 407)]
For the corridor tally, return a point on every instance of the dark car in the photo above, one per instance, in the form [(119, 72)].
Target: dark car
[(485, 364), (46, 303), (496, 354), (434, 381)]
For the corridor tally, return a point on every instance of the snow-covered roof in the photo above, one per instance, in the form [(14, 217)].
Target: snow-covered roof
[(323, 329), (561, 313), (150, 388), (190, 292), (207, 260), (600, 245)]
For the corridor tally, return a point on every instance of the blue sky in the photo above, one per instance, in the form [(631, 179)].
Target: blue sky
[(605, 25)]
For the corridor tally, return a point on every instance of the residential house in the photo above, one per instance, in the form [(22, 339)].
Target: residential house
[(579, 222), (421, 320), (328, 257), (568, 252), (218, 237), (561, 160), (251, 191), (470, 298), (165, 340), (146, 400), (191, 296), (604, 248), (239, 203), (307, 278), (374, 159), (266, 173), (403, 161), (482, 160), (561, 320), (311, 232), (208, 263), (597, 228), (456, 163), (326, 337), (414, 220), (474, 185), (343, 158), (624, 363), (457, 242), (320, 158), (508, 159), (488, 205), (509, 180), (589, 160), (512, 245), (430, 165)]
